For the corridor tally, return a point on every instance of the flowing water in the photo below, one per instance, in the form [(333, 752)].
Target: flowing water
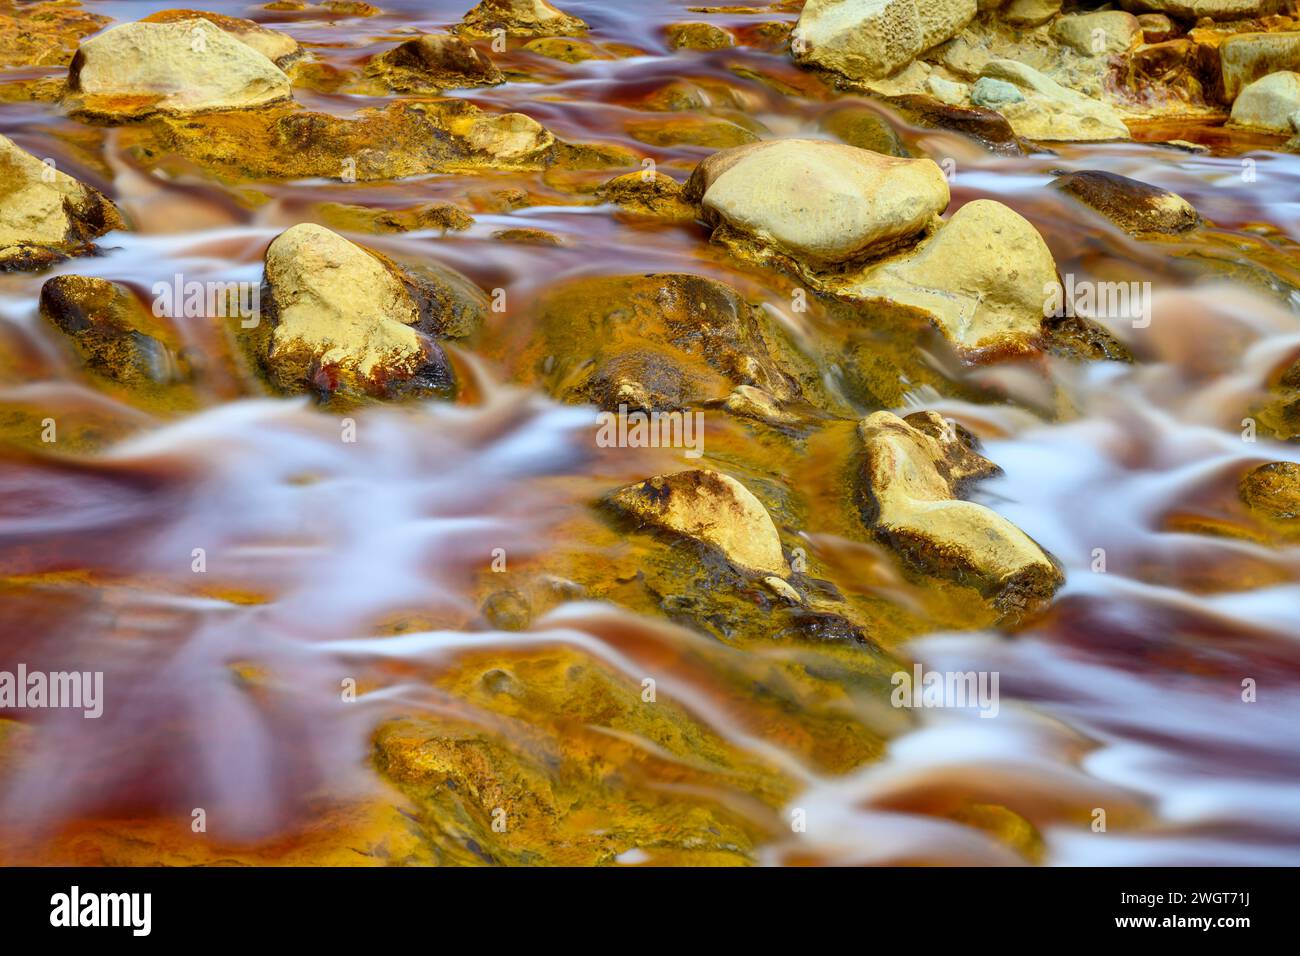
[(330, 562)]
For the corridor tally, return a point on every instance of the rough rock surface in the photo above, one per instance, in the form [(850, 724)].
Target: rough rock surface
[(713, 508), (1051, 111), (821, 204), (429, 64), (1134, 206), (520, 18), (983, 279), (43, 34), (344, 319), (46, 215), (866, 39), (1272, 103), (916, 468), (177, 67)]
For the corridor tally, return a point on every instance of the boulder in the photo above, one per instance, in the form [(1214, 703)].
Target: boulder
[(712, 508), (345, 319), (429, 64), (651, 343), (983, 279), (868, 39), (1134, 206), (916, 469), (178, 67), (1247, 57), (280, 48), (820, 204), (1271, 103), (519, 18), (46, 215), (1098, 34), (1051, 111)]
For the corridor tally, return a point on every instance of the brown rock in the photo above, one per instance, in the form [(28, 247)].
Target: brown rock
[(519, 18), (429, 64), (1135, 207), (103, 321)]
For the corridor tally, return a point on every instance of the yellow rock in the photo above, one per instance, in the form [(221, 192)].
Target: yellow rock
[(698, 36), (820, 203), (520, 18), (342, 318), (428, 64), (713, 508), (650, 194), (43, 34), (46, 215), (867, 39), (280, 48), (984, 279), (178, 67), (915, 469)]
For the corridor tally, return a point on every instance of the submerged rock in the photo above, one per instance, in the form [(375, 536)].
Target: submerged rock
[(345, 319), (1134, 206), (1272, 103), (46, 215), (1051, 111), (102, 319), (713, 508), (653, 342), (429, 64), (983, 279), (916, 469), (868, 39), (519, 18), (406, 138), (820, 204), (177, 67), (434, 215)]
